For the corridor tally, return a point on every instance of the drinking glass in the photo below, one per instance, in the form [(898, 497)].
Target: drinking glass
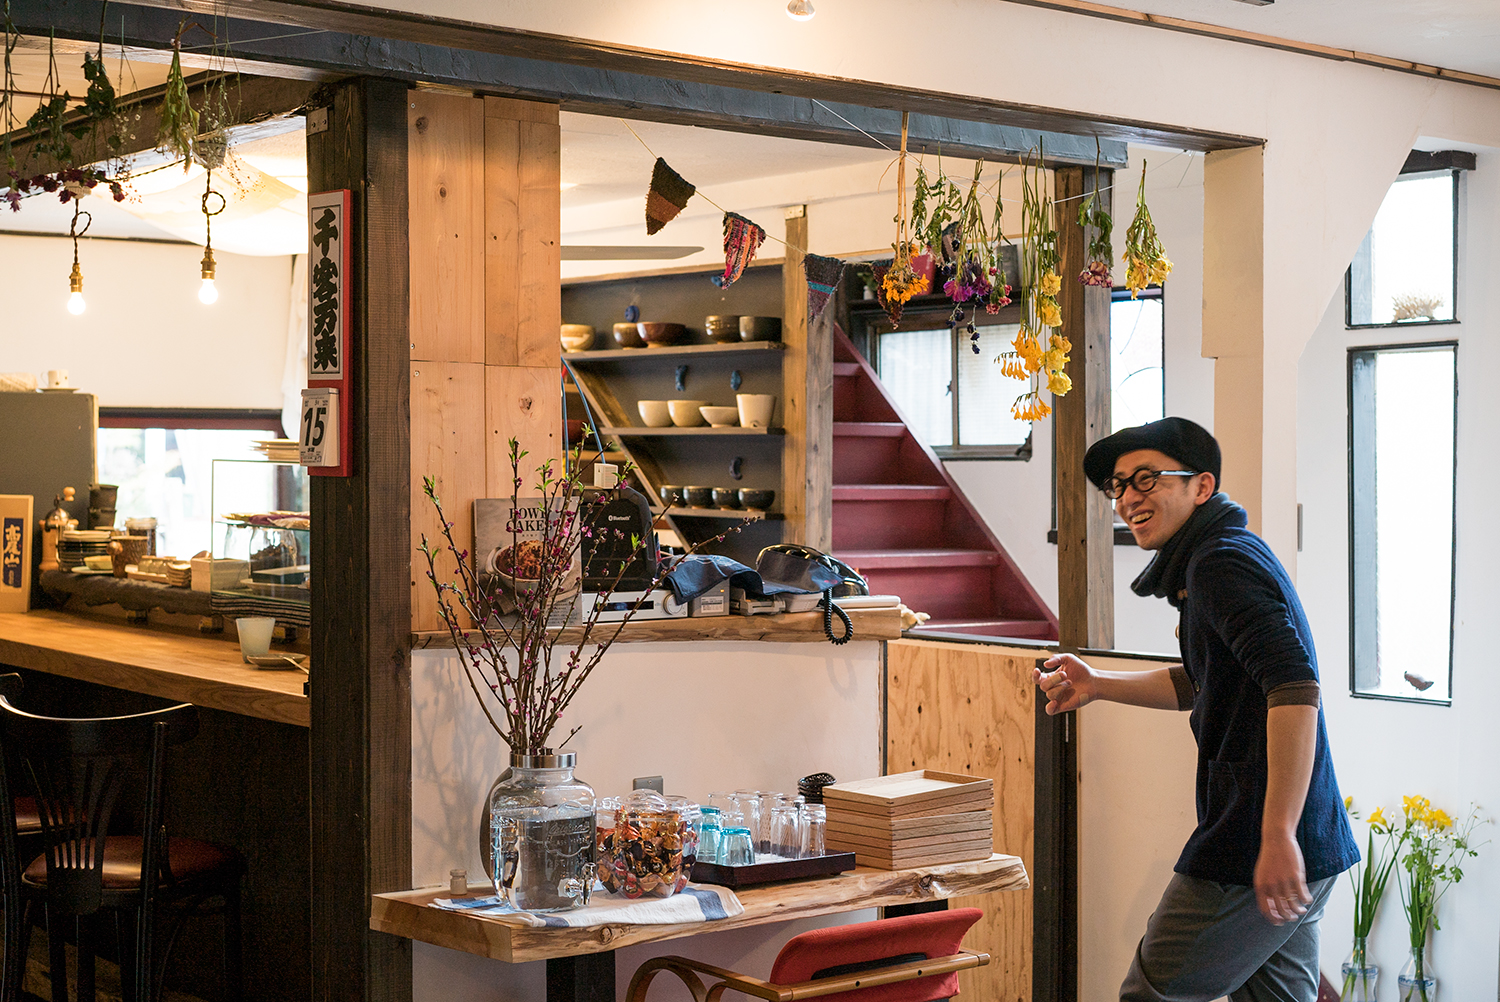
[(737, 849), (719, 801), (708, 835), (814, 821), (786, 831), (691, 816), (768, 803), (747, 802)]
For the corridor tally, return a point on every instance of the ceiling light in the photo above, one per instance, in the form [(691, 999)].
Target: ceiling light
[(800, 10), (76, 305), (208, 293)]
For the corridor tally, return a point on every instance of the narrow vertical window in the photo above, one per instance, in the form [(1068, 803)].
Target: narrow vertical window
[(1402, 424), (1406, 268)]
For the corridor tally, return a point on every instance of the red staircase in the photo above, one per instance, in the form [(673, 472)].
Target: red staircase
[(904, 524)]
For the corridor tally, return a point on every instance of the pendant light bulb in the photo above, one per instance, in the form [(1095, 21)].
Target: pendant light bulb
[(76, 305), (800, 10), (208, 293)]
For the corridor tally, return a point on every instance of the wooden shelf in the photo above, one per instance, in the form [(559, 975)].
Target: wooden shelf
[(615, 354), (673, 431), (738, 514)]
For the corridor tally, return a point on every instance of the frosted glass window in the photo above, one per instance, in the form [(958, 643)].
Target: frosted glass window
[(916, 367), (1404, 271), (1135, 364), (985, 393), (1401, 506)]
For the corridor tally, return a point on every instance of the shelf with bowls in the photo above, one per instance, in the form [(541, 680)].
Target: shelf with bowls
[(734, 514), (665, 350), (673, 431)]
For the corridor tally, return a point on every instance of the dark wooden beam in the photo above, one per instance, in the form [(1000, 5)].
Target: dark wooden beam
[(1085, 519), (585, 75), (361, 681), (1418, 161), (1054, 857)]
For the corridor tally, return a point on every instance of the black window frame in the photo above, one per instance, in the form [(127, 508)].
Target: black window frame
[(1415, 168), (1355, 407)]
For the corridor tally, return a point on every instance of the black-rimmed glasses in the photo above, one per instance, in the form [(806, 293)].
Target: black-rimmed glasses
[(1144, 481)]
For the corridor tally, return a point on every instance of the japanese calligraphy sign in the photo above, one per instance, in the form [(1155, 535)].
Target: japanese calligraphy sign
[(329, 324), (15, 552)]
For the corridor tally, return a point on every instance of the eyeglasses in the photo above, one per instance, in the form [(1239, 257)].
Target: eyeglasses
[(1144, 481)]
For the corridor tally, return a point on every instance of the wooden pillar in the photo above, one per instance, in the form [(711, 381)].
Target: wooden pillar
[(807, 377), (361, 561), (1085, 517)]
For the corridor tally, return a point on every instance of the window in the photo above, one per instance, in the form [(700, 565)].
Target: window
[(162, 461), (1406, 269), (1402, 424), (1137, 387)]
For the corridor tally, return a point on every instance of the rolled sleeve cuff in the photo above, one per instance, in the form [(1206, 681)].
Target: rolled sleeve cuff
[(1294, 694), (1183, 683)]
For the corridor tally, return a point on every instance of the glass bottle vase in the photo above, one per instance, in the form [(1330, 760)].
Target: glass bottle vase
[(542, 835), (1416, 981), (1360, 974)]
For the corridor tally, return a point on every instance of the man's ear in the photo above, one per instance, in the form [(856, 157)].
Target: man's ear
[(1205, 484)]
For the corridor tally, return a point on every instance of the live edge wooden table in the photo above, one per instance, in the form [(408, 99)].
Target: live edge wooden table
[(580, 962)]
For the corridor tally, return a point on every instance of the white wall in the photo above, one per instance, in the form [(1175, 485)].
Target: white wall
[(144, 339), (706, 717)]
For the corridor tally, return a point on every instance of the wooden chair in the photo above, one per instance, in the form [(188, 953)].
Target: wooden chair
[(79, 771), (915, 958)]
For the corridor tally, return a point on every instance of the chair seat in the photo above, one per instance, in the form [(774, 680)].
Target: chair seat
[(188, 858), (28, 816)]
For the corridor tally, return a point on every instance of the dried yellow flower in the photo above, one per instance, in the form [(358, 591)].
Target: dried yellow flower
[(1051, 284)]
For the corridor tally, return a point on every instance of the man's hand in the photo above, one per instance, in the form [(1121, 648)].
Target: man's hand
[(1280, 880), (1068, 684)]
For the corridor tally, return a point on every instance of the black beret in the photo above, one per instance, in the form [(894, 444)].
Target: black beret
[(1187, 443)]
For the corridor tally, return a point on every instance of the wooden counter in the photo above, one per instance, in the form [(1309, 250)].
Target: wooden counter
[(172, 664), (409, 914)]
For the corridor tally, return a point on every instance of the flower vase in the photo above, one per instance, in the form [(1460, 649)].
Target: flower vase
[(542, 835), (1360, 974), (1416, 981)]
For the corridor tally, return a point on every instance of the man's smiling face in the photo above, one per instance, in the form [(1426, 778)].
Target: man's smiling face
[(1155, 516)]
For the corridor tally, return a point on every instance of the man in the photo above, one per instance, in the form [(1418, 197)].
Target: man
[(1239, 917)]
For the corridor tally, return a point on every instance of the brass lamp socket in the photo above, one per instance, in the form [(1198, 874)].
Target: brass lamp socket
[(75, 280), (208, 262)]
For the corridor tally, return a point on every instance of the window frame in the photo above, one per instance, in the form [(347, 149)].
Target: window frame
[(1410, 175), (1354, 619)]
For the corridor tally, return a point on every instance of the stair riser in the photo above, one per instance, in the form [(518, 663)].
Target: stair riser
[(865, 460), (943, 593), (887, 525), (854, 399)]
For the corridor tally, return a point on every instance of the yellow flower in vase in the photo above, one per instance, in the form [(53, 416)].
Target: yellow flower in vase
[(1378, 820)]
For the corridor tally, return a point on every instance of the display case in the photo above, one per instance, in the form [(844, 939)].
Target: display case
[(261, 545)]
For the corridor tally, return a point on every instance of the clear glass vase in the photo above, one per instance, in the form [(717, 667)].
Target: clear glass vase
[(1360, 974), (1416, 981), (542, 835)]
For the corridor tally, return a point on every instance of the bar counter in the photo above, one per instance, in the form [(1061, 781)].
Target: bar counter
[(158, 661)]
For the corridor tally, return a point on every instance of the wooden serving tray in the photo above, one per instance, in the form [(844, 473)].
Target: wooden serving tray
[(766, 873), (911, 794), (954, 854), (913, 827), (885, 844)]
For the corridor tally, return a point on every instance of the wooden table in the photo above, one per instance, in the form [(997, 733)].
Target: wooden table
[(157, 661), (410, 914)]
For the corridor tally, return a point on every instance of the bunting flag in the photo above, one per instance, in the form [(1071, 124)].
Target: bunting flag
[(668, 196), (742, 238), (823, 274)]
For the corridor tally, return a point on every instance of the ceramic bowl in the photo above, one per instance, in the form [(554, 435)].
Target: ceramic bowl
[(698, 497), (756, 500), (723, 328), (726, 497), (670, 494), (687, 413), (760, 328), (658, 334), (655, 413), (577, 337), (629, 336), (756, 409), (721, 417)]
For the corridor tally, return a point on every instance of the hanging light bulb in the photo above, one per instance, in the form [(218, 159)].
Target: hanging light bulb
[(800, 10), (76, 305), (208, 293)]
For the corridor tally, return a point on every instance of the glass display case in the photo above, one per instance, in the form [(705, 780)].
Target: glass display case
[(261, 543)]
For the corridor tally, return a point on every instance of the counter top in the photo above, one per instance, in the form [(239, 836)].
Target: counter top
[(157, 661), (410, 914)]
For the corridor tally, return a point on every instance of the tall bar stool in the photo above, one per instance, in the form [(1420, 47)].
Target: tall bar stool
[(79, 771)]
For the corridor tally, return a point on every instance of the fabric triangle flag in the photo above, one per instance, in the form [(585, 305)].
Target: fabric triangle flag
[(823, 274), (668, 196), (742, 238)]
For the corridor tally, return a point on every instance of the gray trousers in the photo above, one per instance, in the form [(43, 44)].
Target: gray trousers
[(1207, 940)]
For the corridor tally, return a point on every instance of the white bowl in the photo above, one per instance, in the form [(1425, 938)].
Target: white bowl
[(686, 413), (721, 417), (756, 409), (655, 413), (577, 337)]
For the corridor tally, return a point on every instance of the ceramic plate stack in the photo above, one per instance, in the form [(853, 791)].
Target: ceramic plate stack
[(278, 450), (911, 819), (75, 544)]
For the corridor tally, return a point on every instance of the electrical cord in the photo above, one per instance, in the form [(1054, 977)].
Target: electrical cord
[(829, 609)]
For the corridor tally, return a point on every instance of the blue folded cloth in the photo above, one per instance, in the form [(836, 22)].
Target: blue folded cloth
[(697, 573)]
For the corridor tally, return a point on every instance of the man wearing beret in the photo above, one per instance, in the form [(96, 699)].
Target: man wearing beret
[(1240, 915)]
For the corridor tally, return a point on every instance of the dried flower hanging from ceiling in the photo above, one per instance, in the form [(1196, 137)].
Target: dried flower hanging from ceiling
[(900, 281), (1039, 353), (1145, 258), (1098, 225)]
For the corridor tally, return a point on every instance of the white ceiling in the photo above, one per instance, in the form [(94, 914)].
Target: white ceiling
[(1454, 34)]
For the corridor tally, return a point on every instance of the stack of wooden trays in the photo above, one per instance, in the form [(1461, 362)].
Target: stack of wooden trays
[(911, 819)]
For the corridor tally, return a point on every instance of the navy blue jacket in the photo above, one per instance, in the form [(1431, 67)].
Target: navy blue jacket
[(1243, 634)]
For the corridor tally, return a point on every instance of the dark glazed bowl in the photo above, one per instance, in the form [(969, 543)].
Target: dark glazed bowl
[(760, 328), (670, 494), (658, 334), (726, 497), (628, 336), (756, 500), (723, 328), (698, 497)]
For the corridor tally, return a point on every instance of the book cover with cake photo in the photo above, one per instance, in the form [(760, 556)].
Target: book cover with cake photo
[(511, 542)]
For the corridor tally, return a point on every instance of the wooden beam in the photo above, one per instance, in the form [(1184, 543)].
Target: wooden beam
[(361, 558), (1085, 519), (807, 407)]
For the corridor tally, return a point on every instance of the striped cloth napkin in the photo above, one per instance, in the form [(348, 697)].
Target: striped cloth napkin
[(694, 903)]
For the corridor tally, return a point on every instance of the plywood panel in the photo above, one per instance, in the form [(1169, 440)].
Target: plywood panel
[(502, 248), (445, 144), (969, 709), (523, 403), (447, 443)]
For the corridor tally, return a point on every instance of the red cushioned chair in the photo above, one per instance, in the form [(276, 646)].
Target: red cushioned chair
[(915, 958)]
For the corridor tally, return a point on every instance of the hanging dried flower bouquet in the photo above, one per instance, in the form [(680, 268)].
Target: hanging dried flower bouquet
[(1039, 353), (1145, 258)]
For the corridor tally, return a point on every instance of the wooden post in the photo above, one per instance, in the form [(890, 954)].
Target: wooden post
[(1085, 518), (361, 561), (807, 377)]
